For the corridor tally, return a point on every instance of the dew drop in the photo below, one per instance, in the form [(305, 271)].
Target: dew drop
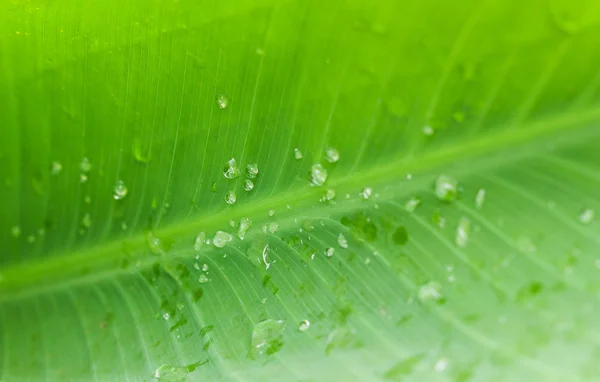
[(252, 171), (430, 291), (342, 242), (412, 204), (318, 175), (297, 154), (168, 373), (428, 130), (267, 337), (332, 155), (85, 166), (86, 222), (587, 216), (304, 325), (366, 193), (15, 231), (231, 170), (329, 251), (31, 239), (462, 232), (222, 238), (441, 365), (204, 267), (83, 178), (199, 241), (55, 167), (222, 101), (265, 254), (87, 199), (480, 198), (244, 226), (203, 279), (271, 213), (329, 195), (273, 227), (230, 197), (120, 190), (446, 188)]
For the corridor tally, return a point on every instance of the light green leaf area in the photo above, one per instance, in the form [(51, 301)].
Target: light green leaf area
[(454, 239)]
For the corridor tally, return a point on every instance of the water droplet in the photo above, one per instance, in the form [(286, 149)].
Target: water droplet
[(231, 170), (462, 232), (441, 365), (230, 197), (85, 165), (480, 198), (428, 130), (31, 239), (86, 222), (587, 216), (342, 242), (123, 226), (273, 227), (244, 226), (141, 151), (222, 238), (267, 337), (329, 195), (214, 187), (120, 190), (15, 231), (318, 175), (87, 199), (332, 155), (304, 325), (366, 193), (252, 171), (55, 168), (83, 178), (204, 267), (203, 279), (199, 242), (400, 236), (248, 185), (156, 244), (265, 254), (166, 316), (222, 101), (412, 204), (271, 213), (168, 373), (430, 291), (297, 154), (446, 188), (329, 251)]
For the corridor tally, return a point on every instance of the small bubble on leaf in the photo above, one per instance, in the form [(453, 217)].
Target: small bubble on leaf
[(221, 239), (587, 216), (120, 190), (329, 251), (480, 198), (231, 170), (304, 325), (199, 241), (366, 193), (332, 155), (412, 204), (342, 242), (222, 101), (318, 174), (252, 171), (446, 188), (230, 197)]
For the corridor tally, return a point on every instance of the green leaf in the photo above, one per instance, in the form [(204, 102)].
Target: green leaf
[(428, 176)]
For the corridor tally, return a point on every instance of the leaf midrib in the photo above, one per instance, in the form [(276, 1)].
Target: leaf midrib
[(56, 271)]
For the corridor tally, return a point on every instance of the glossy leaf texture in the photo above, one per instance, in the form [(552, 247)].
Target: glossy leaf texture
[(423, 205)]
